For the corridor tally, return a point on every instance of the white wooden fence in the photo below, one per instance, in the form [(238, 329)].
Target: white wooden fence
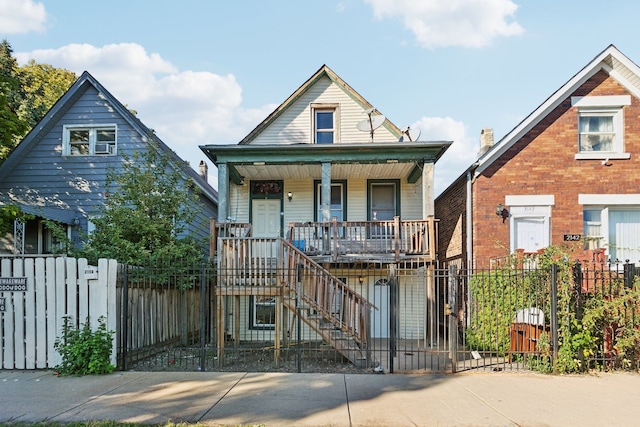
[(32, 319)]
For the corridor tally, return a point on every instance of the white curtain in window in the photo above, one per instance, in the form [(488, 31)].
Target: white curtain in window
[(624, 235)]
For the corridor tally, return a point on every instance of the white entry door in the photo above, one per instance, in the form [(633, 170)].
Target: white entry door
[(530, 234), (380, 317), (265, 221)]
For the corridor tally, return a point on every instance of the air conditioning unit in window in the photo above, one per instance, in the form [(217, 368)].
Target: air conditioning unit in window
[(104, 149)]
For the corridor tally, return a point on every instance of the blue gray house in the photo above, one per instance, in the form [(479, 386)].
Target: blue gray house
[(58, 170)]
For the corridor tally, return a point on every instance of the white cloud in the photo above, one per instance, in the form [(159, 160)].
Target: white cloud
[(437, 23), (460, 155), (21, 16), (185, 108)]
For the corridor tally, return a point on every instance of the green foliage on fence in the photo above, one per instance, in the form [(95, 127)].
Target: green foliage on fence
[(596, 330), (83, 351), (617, 315), (496, 297)]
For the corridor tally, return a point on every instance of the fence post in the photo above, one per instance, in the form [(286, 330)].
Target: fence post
[(554, 314), (124, 327), (629, 270), (203, 316), (453, 317), (578, 277), (393, 301)]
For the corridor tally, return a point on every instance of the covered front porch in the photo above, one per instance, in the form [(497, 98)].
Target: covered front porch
[(298, 168)]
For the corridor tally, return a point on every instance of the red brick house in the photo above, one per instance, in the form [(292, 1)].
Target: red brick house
[(568, 173)]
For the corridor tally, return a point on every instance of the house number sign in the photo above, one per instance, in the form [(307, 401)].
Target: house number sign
[(13, 284), (572, 237)]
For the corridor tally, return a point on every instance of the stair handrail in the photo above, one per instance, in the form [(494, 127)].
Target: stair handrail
[(320, 288)]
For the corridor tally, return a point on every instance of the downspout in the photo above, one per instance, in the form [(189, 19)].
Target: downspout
[(469, 224)]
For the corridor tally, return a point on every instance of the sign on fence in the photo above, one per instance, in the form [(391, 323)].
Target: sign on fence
[(35, 295), (13, 284)]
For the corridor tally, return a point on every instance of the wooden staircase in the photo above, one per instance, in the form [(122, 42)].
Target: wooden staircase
[(258, 266)]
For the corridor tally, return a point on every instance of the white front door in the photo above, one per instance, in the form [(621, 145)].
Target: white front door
[(380, 317), (530, 234), (265, 220)]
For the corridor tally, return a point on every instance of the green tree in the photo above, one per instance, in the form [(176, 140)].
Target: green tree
[(12, 127), (148, 204), (42, 86)]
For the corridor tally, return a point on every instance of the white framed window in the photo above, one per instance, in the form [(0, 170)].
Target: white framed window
[(601, 126), (89, 140), (614, 228), (263, 312), (612, 222), (593, 237), (600, 130), (325, 123), (338, 200)]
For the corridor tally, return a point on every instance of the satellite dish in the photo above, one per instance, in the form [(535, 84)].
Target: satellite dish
[(411, 134), (367, 125), (372, 123)]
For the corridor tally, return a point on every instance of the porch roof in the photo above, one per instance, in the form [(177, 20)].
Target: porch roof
[(303, 160)]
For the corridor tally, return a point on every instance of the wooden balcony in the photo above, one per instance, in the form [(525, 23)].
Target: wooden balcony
[(337, 241)]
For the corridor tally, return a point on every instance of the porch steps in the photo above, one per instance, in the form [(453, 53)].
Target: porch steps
[(338, 339)]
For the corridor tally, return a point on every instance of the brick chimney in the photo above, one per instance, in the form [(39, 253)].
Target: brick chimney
[(204, 169), (486, 140)]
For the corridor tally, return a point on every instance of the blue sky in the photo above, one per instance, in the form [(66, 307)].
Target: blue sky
[(207, 72)]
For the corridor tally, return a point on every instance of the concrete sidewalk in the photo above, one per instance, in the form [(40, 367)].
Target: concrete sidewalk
[(278, 399)]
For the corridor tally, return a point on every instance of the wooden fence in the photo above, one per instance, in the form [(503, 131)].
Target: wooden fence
[(37, 293)]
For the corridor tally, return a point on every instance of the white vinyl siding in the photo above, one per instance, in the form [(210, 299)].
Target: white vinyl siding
[(295, 125)]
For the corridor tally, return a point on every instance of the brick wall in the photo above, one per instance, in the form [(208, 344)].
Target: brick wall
[(542, 162), (451, 213)]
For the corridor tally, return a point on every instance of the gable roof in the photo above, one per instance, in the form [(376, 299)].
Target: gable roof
[(65, 102), (324, 71), (610, 60)]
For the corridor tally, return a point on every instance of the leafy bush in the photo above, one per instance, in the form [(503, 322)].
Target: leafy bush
[(84, 351), (496, 297)]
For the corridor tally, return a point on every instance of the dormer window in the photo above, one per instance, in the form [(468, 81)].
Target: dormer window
[(601, 126), (82, 140), (324, 123)]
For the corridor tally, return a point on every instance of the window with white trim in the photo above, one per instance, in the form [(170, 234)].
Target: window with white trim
[(82, 140), (325, 123), (601, 126), (615, 228), (600, 130), (263, 312), (338, 200)]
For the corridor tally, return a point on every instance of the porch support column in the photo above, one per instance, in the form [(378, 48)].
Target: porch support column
[(325, 197), (428, 208), (223, 192)]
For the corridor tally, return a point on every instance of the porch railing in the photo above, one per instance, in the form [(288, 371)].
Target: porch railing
[(337, 238), (226, 229)]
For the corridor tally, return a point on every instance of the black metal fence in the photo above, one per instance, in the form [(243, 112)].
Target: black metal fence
[(424, 318), (565, 317)]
